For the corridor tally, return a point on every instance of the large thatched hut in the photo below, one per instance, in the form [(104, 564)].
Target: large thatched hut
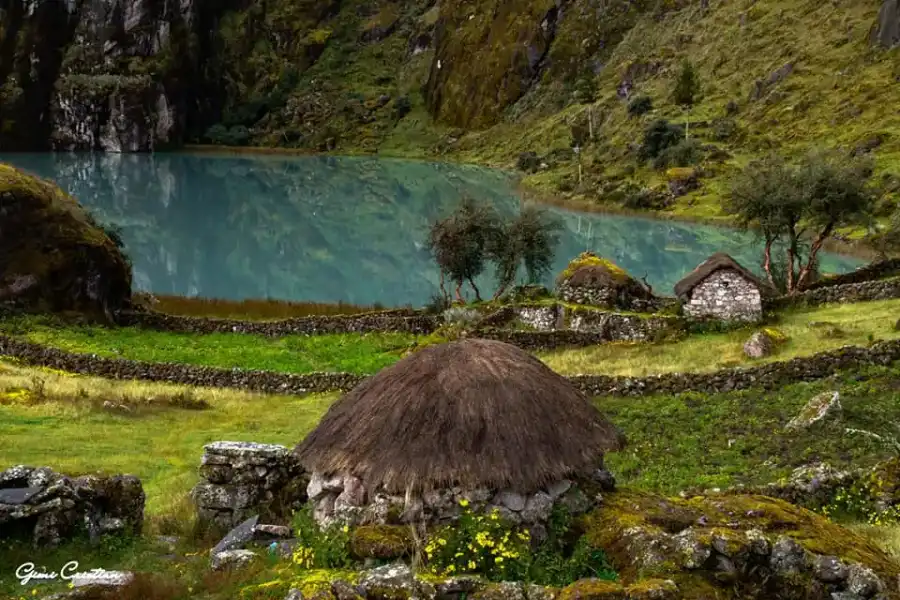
[(592, 280), (474, 420)]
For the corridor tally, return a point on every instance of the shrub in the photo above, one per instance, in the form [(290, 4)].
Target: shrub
[(640, 105), (327, 548), (659, 135), (683, 154), (635, 197), (687, 85), (402, 106), (861, 501), (586, 89), (724, 128), (528, 162)]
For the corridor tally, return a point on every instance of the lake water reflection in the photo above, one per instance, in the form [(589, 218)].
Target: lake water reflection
[(334, 228)]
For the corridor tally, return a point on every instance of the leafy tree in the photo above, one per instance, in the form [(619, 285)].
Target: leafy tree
[(586, 89), (888, 241), (687, 85), (659, 135), (529, 240), (458, 242), (794, 204), (463, 243), (640, 105)]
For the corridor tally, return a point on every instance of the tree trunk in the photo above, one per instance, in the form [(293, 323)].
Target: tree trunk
[(791, 253), (813, 251), (444, 294), (767, 263), (459, 297), (475, 287)]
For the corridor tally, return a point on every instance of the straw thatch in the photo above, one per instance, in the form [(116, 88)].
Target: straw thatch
[(472, 413), (717, 261)]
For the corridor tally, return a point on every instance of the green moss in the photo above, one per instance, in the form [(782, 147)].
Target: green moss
[(592, 589), (589, 259), (381, 541), (725, 517)]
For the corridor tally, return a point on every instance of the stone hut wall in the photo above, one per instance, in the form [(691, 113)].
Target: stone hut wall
[(607, 297), (725, 295)]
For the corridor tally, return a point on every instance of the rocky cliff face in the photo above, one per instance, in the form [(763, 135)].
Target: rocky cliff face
[(107, 75)]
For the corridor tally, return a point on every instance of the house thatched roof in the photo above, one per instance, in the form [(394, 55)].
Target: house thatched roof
[(717, 261), (472, 413)]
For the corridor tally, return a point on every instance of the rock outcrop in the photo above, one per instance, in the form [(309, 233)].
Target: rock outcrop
[(45, 507), (55, 256), (107, 75)]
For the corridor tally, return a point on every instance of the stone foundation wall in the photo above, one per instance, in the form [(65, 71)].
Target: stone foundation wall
[(242, 479), (725, 295), (344, 499), (400, 320), (883, 289), (46, 508), (767, 376)]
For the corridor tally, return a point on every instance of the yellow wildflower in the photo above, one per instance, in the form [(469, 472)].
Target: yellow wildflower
[(464, 503)]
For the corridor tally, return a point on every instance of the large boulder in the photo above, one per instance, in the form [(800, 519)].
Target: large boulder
[(56, 257)]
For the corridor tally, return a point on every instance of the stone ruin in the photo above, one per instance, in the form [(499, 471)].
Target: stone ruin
[(46, 507), (241, 479)]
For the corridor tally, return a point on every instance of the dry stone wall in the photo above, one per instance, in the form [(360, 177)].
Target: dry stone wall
[(402, 320), (767, 376), (883, 289), (241, 479), (609, 297), (868, 273)]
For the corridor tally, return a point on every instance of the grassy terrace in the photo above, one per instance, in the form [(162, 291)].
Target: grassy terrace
[(49, 417), (810, 331)]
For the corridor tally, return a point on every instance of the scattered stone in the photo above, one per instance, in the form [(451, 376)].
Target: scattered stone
[(863, 582), (830, 569), (787, 556), (511, 500), (759, 345), (18, 495), (237, 537), (819, 407), (268, 533), (231, 559)]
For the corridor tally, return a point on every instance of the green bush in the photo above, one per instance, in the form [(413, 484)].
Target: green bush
[(687, 85), (640, 105), (724, 128), (318, 548), (683, 154), (586, 89), (659, 135)]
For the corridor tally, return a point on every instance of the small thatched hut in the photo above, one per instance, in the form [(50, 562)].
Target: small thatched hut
[(723, 289), (589, 279), (475, 420)]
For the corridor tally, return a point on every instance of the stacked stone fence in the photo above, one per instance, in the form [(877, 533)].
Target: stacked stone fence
[(767, 376), (883, 289), (403, 320), (870, 272)]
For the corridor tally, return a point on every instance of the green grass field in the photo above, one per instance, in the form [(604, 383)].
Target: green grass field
[(809, 331)]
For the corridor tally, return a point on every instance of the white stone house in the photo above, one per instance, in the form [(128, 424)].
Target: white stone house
[(720, 288)]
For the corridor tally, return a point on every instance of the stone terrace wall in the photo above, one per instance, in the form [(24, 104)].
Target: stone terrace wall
[(870, 272), (608, 296), (399, 321), (768, 376), (883, 289)]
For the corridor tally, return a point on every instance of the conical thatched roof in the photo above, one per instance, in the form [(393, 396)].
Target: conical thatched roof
[(717, 261), (473, 413)]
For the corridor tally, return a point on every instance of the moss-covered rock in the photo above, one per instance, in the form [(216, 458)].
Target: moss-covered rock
[(732, 546), (381, 541), (593, 589), (56, 257)]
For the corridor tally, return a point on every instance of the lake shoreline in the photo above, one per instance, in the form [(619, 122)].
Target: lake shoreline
[(857, 250)]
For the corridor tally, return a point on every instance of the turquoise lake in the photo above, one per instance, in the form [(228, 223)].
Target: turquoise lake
[(332, 229)]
